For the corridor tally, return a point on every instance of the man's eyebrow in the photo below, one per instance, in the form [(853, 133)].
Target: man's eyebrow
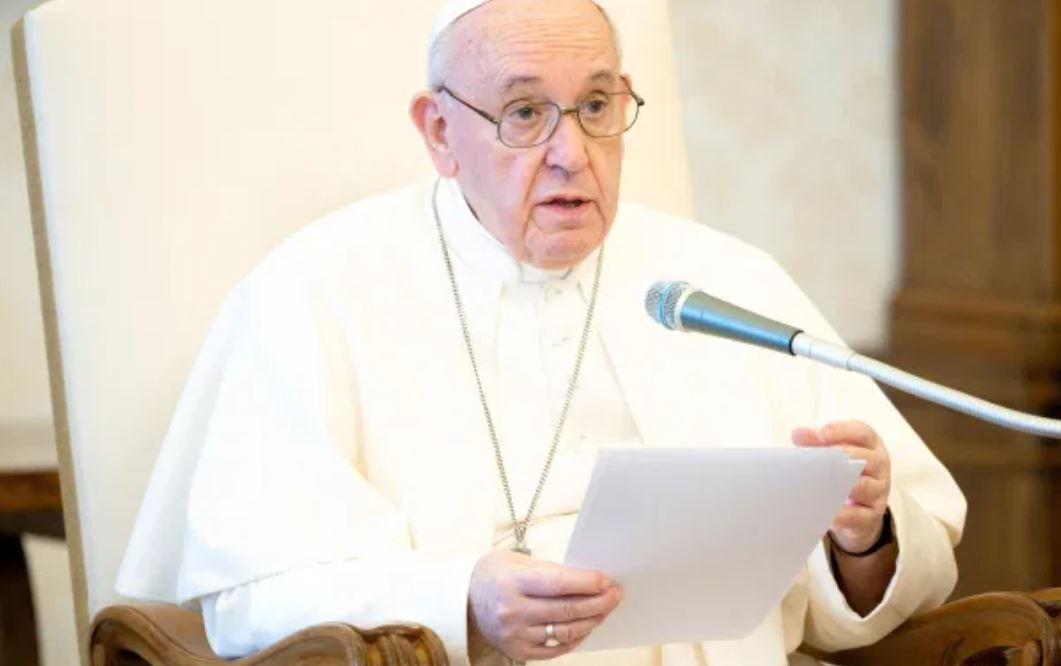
[(604, 75), (516, 81)]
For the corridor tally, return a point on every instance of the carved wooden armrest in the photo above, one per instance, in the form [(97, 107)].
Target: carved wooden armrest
[(985, 629), (160, 634), (995, 628)]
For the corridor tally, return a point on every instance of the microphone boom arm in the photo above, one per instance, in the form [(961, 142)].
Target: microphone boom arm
[(841, 357)]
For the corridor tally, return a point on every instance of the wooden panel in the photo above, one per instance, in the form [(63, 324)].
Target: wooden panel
[(1008, 480), (977, 150), (29, 491), (980, 301)]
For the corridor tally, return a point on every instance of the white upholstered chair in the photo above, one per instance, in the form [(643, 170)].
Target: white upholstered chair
[(170, 144)]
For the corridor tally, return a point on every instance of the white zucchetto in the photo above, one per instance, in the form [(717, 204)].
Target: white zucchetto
[(451, 11)]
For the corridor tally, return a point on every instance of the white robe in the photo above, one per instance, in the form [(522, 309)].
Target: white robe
[(329, 459)]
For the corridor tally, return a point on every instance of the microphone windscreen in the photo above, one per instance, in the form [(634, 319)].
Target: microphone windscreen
[(661, 302)]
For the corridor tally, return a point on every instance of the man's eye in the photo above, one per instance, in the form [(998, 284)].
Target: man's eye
[(595, 106), (524, 114)]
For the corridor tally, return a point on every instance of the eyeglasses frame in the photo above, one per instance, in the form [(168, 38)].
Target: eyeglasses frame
[(564, 111)]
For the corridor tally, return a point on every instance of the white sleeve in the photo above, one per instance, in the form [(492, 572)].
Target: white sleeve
[(404, 588), (928, 512), (284, 526), (925, 574), (927, 507)]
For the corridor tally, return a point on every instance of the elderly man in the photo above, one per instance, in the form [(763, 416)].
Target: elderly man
[(395, 415)]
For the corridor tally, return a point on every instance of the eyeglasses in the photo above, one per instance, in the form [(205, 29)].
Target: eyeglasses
[(525, 124)]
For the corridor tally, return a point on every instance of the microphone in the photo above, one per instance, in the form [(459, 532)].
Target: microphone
[(680, 307)]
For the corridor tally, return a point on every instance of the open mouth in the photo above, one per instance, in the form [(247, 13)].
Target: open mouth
[(565, 202)]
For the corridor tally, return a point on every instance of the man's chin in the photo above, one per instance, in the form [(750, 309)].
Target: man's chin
[(560, 258), (554, 248)]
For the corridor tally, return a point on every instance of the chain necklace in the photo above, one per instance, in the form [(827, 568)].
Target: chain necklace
[(519, 527)]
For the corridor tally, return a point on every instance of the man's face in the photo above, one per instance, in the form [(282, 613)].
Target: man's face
[(553, 204)]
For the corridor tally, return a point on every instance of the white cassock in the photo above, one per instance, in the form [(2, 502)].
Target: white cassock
[(329, 459)]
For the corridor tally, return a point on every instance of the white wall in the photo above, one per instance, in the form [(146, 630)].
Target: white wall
[(790, 112)]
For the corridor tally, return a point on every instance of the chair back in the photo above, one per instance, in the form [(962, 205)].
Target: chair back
[(170, 144)]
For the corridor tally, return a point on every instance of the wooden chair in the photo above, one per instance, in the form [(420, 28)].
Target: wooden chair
[(169, 144)]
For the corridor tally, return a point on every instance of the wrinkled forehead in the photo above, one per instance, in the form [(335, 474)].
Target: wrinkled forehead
[(515, 43)]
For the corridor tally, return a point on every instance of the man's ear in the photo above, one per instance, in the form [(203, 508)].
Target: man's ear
[(629, 81), (427, 116)]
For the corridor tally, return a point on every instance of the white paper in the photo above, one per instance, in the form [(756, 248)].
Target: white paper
[(704, 542)]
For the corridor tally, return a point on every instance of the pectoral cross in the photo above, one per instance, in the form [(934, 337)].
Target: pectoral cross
[(519, 530)]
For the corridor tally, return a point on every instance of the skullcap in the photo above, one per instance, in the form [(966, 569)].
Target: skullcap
[(451, 11)]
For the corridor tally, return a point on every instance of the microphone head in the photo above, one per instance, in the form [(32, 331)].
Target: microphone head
[(662, 300)]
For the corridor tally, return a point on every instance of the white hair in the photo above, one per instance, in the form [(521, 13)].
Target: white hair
[(440, 55)]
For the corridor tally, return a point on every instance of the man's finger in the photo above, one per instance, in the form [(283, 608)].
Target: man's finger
[(811, 438), (855, 518), (807, 437), (868, 491), (567, 633), (874, 461), (542, 653), (546, 579), (567, 609), (855, 433)]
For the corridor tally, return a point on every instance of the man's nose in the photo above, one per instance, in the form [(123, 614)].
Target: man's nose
[(567, 147)]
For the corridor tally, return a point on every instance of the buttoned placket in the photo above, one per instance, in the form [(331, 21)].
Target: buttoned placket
[(526, 324)]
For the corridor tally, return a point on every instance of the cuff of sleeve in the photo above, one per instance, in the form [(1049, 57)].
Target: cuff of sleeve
[(439, 593), (925, 573)]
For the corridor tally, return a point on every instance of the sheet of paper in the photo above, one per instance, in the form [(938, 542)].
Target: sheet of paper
[(704, 541)]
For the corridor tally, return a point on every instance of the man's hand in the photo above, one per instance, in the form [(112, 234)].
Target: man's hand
[(863, 580), (513, 597), (858, 525)]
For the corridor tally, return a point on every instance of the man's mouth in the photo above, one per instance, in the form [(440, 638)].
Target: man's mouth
[(565, 202)]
